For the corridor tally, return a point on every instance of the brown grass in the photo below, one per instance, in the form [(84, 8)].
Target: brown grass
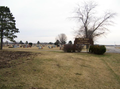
[(117, 47), (54, 69)]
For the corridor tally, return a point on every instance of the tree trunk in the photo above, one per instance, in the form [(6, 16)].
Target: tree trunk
[(87, 46), (1, 45), (86, 33)]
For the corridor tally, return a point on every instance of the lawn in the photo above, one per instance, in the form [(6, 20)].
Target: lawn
[(54, 69)]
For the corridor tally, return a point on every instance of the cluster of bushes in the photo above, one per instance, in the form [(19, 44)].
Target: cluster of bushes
[(72, 48), (97, 49)]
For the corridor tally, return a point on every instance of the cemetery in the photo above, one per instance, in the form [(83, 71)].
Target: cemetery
[(80, 64), (47, 66), (69, 64)]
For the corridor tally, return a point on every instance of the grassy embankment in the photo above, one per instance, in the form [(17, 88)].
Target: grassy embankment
[(54, 69)]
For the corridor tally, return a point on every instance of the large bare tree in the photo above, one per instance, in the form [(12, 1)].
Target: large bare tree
[(92, 26), (62, 38)]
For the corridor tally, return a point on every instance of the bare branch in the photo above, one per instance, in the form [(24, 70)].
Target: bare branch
[(106, 18), (92, 26)]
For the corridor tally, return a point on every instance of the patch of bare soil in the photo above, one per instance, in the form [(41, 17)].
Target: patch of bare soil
[(7, 56)]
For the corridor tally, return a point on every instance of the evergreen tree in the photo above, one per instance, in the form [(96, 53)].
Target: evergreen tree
[(57, 42), (26, 42), (38, 42), (7, 25), (21, 42), (70, 42)]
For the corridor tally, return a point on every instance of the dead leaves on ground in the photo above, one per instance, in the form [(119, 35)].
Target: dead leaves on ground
[(7, 56)]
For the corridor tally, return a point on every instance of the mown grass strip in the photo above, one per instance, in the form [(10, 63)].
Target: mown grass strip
[(112, 71)]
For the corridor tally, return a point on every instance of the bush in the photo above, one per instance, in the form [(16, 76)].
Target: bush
[(67, 48), (97, 49), (72, 48), (30, 44), (79, 48), (91, 49)]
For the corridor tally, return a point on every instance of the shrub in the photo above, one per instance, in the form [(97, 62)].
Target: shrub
[(30, 44), (10, 47), (79, 48), (67, 48), (91, 48), (72, 48), (97, 49)]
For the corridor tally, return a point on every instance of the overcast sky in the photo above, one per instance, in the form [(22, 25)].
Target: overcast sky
[(43, 20)]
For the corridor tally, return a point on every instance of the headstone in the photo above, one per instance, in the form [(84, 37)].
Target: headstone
[(49, 47), (14, 46), (26, 46), (40, 47), (53, 46)]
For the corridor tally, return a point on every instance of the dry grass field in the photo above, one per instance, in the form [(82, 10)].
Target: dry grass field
[(118, 47), (53, 69)]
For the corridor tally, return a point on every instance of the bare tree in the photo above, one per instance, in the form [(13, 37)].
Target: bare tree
[(90, 25), (62, 38)]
